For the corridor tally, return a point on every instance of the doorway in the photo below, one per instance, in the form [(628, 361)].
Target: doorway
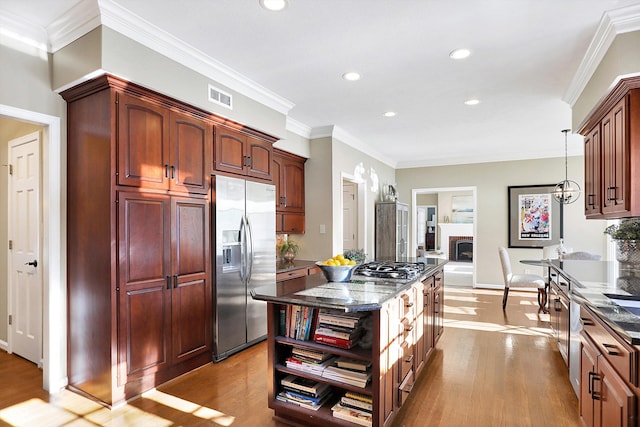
[(25, 278), (53, 307), (450, 223), (354, 221)]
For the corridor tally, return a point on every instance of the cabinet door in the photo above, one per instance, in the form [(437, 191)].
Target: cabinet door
[(230, 151), (293, 186), (277, 171), (191, 145), (615, 169), (588, 358), (144, 285), (191, 293), (143, 143), (616, 400), (259, 161), (592, 180), (292, 223)]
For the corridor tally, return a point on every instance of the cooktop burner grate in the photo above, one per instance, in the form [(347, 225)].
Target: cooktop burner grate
[(391, 270)]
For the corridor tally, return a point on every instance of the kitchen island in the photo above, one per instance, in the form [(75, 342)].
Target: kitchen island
[(402, 321), (601, 329)]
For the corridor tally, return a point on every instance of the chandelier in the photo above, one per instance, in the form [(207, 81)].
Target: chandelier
[(566, 191)]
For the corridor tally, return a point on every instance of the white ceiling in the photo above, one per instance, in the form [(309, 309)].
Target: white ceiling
[(525, 54)]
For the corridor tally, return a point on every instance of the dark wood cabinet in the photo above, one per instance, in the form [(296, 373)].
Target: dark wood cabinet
[(162, 149), (288, 176), (243, 154), (612, 154), (559, 313), (138, 249), (592, 196), (607, 374)]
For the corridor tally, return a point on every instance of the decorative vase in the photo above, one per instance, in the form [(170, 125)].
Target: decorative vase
[(628, 252), (289, 255)]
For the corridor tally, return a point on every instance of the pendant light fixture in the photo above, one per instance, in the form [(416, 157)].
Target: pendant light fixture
[(566, 191)]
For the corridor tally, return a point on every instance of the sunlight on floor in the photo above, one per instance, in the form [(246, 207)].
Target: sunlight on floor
[(70, 409), (495, 327), (189, 407)]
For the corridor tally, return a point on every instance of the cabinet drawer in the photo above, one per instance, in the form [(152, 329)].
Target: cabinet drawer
[(618, 353), (405, 388), (291, 274), (314, 270)]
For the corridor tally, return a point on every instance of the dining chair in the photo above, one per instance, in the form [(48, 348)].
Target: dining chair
[(521, 281), (582, 255)]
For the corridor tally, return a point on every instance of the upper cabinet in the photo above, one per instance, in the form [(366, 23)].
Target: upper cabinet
[(612, 154), (288, 176), (162, 149), (243, 154)]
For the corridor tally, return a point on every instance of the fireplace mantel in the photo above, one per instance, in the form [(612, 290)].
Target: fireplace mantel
[(452, 229)]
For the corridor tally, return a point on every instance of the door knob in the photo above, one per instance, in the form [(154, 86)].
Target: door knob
[(33, 263)]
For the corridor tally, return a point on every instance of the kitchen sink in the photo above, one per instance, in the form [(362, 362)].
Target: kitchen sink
[(631, 303)]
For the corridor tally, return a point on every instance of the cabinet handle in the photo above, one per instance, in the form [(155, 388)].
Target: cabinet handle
[(593, 377), (611, 349), (246, 161), (590, 200), (166, 171), (409, 359), (173, 172), (175, 281), (408, 328), (409, 304), (586, 321), (556, 304), (609, 193), (168, 282)]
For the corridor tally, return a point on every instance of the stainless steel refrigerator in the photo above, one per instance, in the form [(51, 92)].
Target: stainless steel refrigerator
[(245, 235)]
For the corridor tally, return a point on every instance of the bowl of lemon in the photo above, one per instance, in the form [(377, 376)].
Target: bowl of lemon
[(337, 269)]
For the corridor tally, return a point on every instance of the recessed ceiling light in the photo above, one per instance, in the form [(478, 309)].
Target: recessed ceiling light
[(273, 5), (472, 102), (459, 53), (390, 114), (352, 76)]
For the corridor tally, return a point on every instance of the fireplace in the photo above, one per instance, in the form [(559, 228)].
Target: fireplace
[(461, 248)]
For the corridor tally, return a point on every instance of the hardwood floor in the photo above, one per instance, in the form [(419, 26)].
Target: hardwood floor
[(489, 369)]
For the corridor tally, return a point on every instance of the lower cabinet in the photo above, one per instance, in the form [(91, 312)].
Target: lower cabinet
[(606, 376), (559, 314)]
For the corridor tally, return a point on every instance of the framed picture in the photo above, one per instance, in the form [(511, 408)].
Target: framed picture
[(534, 217)]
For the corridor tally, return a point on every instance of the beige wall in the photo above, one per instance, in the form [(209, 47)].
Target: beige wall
[(492, 181), (621, 59)]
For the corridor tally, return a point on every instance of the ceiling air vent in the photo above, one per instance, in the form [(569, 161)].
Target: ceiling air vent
[(220, 97)]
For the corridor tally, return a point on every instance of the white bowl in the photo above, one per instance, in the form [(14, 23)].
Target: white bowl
[(336, 273)]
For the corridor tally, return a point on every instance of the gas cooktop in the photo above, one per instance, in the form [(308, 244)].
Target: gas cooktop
[(391, 270)]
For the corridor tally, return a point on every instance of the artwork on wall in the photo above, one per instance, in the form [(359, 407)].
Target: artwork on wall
[(533, 220), (462, 209)]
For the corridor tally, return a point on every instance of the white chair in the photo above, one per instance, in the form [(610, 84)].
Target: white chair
[(521, 281), (582, 255)]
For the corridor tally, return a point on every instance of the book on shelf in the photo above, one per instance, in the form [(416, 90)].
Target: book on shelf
[(299, 321), (295, 395), (353, 364), (359, 396), (356, 404), (340, 318), (342, 334), (312, 367), (356, 382), (333, 341), (311, 354), (304, 384), (356, 416), (285, 397), (347, 373)]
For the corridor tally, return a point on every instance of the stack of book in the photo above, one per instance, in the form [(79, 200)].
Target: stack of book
[(297, 322), (339, 329), (304, 392), (354, 407), (309, 360), (349, 371)]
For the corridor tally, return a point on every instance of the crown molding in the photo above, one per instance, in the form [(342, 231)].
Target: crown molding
[(614, 22), (73, 24), (23, 31), (298, 128)]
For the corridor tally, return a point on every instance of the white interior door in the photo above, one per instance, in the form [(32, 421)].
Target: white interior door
[(349, 215), (25, 278)]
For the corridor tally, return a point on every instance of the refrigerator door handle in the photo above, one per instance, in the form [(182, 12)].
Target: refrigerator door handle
[(250, 251), (243, 249)]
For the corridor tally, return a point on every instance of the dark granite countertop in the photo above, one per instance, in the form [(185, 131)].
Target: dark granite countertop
[(359, 294), (594, 282), (283, 266)]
